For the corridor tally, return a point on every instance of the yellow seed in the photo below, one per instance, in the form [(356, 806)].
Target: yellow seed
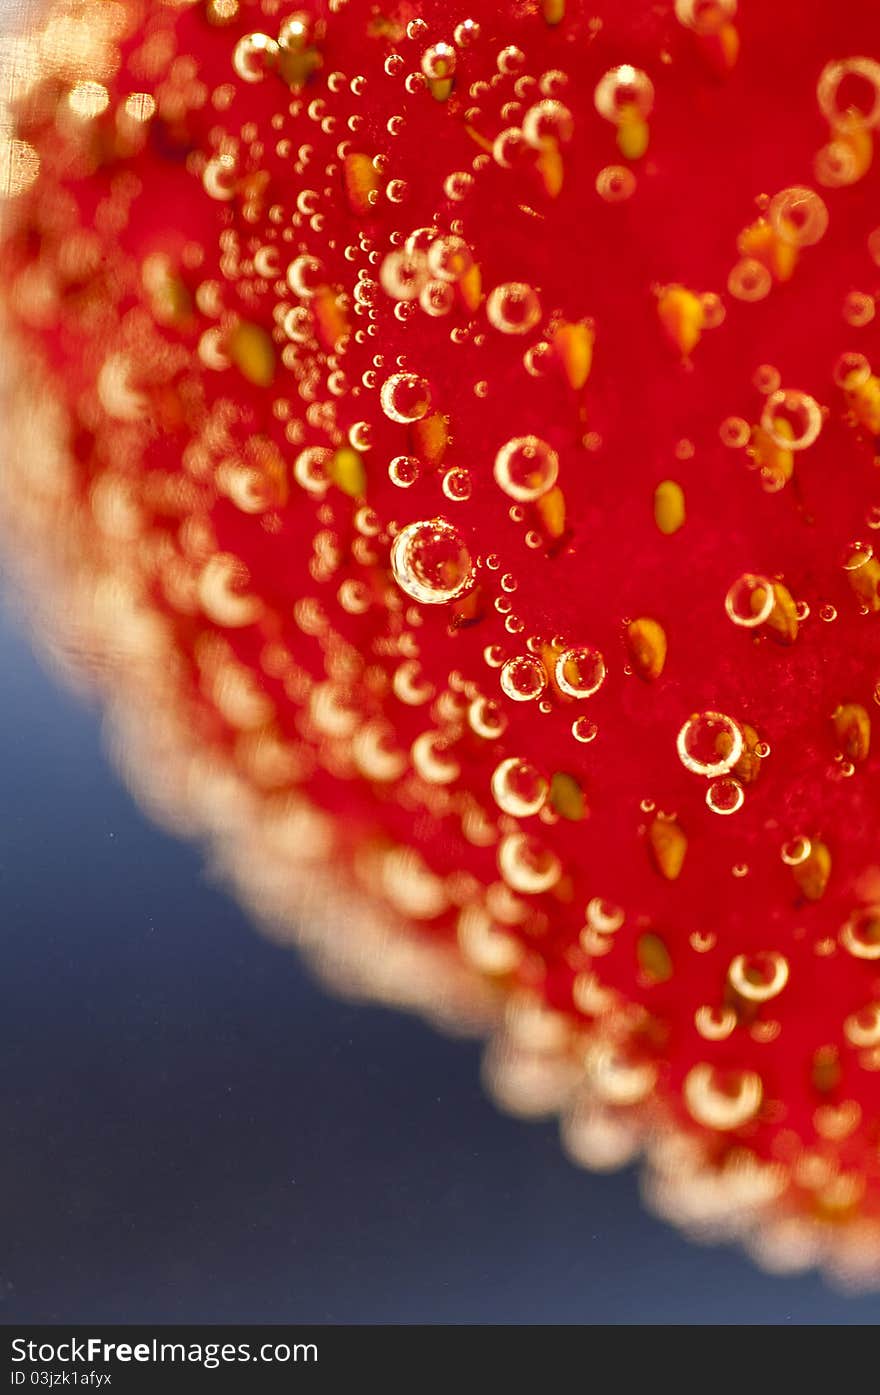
[(551, 507), (470, 288), (720, 47), (762, 242), (852, 728), (654, 958), (633, 133), (748, 767), (346, 470), (296, 65), (171, 301), (564, 890), (682, 316), (573, 344), (467, 609), (811, 875), (782, 622), (440, 88), (329, 316), (839, 1200), (864, 403), (430, 438), (865, 580), (553, 11), (669, 507), (567, 797), (361, 179), (646, 643), (253, 353), (826, 1069), (775, 461), (668, 843), (551, 168), (860, 143)]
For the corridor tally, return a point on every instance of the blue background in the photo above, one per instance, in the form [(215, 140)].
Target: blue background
[(194, 1131)]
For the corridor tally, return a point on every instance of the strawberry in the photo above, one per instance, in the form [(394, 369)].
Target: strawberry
[(452, 436)]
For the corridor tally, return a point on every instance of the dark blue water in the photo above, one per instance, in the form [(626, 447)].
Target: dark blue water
[(193, 1131)]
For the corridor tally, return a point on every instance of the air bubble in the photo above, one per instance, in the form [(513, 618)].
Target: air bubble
[(436, 298), (438, 62), (621, 89), (798, 216), (311, 471), (526, 468), (856, 555), (538, 359), (457, 186), (725, 796), (766, 378), (580, 672), (735, 432), (604, 917), (859, 309), (511, 60), (513, 308), (750, 600), (615, 183), (849, 94), (709, 743), (404, 471), (487, 719), (527, 865), (801, 413), (749, 280), (584, 730), (836, 165), (860, 936), (304, 276), (519, 788), (506, 146), (431, 563), (851, 371), (523, 679), (405, 397), (796, 851), (253, 55), (457, 485), (403, 274), (449, 258), (466, 33), (547, 122)]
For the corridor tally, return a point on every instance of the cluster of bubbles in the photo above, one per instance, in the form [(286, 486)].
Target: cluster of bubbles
[(848, 93), (425, 271)]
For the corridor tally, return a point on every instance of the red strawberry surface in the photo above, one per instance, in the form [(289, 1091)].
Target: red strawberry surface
[(451, 433)]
